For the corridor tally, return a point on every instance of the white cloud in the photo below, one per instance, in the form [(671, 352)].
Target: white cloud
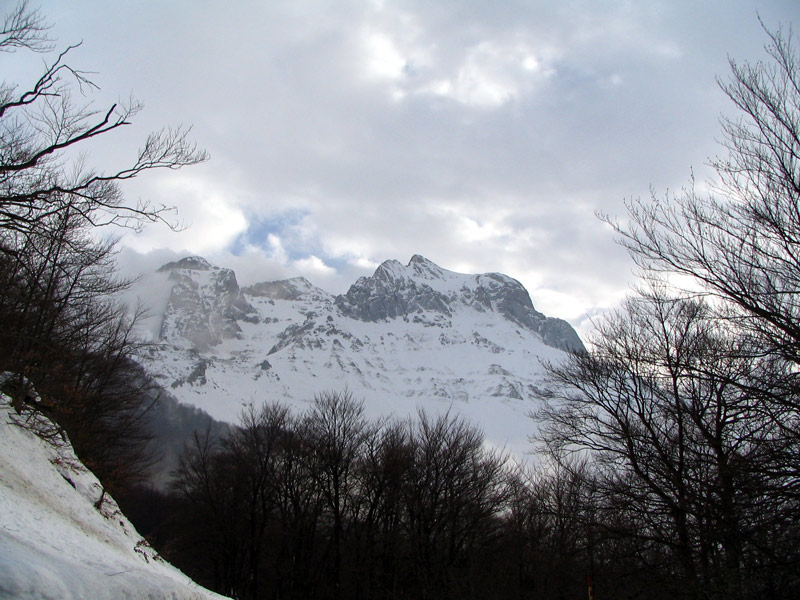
[(382, 57), (487, 223), (210, 219), (314, 265), (276, 250), (397, 50), (492, 74)]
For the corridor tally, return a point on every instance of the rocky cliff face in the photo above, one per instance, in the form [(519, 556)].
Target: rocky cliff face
[(424, 287), (205, 303), (393, 291)]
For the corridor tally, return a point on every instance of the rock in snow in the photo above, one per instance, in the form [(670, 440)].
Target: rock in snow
[(55, 544)]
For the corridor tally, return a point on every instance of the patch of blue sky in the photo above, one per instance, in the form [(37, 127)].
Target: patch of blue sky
[(339, 263), (260, 228), (295, 245)]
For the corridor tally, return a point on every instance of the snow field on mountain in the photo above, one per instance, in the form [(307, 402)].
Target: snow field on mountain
[(472, 363), (55, 544)]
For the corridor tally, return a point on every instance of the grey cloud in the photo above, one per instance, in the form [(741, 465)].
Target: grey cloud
[(619, 96)]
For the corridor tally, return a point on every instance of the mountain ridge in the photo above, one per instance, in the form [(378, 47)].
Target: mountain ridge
[(408, 336)]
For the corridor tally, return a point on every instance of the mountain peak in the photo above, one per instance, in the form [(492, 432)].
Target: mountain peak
[(193, 263), (397, 290), (390, 270), (418, 259), (410, 333), (424, 268), (206, 302)]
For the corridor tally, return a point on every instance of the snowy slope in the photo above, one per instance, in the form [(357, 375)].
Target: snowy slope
[(409, 336), (55, 544)]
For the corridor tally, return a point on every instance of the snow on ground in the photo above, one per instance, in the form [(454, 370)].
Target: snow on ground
[(55, 544)]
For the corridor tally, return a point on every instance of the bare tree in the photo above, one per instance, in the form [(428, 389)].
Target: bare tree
[(41, 123), (254, 451), (337, 431), (24, 28), (739, 246), (454, 489), (741, 243), (378, 511), (60, 327), (663, 406), (211, 494)]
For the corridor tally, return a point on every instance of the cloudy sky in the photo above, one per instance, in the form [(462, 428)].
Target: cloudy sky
[(482, 135)]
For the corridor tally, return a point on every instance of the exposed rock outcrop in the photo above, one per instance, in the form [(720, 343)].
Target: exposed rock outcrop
[(205, 303)]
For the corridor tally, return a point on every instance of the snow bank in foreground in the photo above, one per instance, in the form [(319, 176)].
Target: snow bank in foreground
[(54, 543)]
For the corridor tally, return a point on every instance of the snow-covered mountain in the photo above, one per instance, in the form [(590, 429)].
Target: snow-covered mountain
[(410, 335)]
